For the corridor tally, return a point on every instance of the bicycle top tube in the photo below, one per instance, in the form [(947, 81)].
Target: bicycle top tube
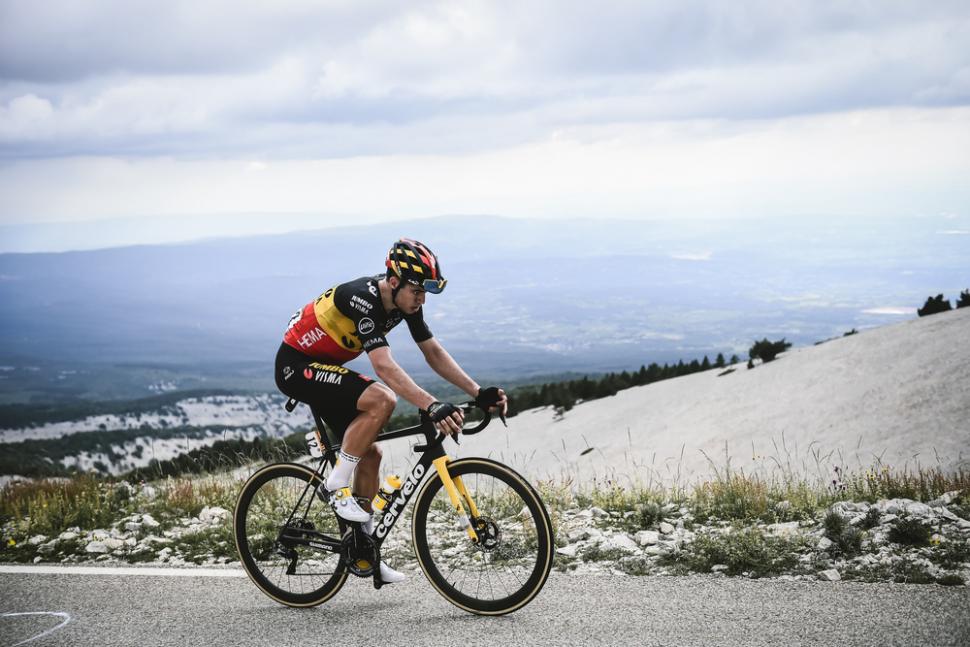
[(425, 427)]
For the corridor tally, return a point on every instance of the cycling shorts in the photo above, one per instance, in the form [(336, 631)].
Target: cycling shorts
[(331, 389)]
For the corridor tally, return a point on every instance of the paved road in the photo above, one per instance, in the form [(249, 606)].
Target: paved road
[(148, 608)]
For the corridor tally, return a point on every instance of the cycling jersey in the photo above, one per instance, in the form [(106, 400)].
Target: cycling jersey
[(347, 320)]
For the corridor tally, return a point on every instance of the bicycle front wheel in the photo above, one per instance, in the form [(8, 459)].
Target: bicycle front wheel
[(508, 566), (275, 502)]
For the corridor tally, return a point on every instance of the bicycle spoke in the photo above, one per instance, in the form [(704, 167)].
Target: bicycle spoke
[(492, 572)]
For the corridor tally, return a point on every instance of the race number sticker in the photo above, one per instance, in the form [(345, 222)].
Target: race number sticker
[(314, 443)]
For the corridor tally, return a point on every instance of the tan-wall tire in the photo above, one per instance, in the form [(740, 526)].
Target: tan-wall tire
[(249, 489), (544, 537)]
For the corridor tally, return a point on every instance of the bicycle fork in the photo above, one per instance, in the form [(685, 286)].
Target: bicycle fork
[(458, 493)]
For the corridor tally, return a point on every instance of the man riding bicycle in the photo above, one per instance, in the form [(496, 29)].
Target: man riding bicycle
[(340, 324)]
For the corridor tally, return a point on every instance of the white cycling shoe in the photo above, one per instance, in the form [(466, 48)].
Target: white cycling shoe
[(390, 576), (346, 506)]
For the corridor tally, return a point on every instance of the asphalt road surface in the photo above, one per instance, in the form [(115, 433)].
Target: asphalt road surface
[(143, 607)]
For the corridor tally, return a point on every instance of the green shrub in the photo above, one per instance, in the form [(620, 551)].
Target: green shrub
[(910, 532), (741, 551), (951, 554), (846, 540)]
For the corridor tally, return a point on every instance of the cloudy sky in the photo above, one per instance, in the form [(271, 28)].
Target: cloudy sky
[(285, 113)]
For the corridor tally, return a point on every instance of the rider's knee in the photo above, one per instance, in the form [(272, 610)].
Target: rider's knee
[(381, 399)]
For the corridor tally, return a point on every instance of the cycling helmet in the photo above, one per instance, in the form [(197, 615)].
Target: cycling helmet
[(411, 261)]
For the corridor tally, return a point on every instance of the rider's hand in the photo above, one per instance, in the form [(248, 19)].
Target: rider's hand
[(492, 399), (447, 418)]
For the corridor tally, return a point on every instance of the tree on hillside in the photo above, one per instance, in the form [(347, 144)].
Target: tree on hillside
[(735, 359), (964, 299), (934, 305), (768, 350), (719, 360)]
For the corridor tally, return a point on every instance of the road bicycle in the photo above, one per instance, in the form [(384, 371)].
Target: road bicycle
[(480, 531)]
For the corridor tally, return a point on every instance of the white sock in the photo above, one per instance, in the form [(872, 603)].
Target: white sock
[(343, 471)]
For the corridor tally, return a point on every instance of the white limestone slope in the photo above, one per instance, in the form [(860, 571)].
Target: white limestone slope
[(896, 396)]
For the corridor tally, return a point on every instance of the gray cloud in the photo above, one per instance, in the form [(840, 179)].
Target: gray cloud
[(345, 78)]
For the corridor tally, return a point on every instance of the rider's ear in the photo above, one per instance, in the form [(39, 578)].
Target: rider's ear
[(393, 281)]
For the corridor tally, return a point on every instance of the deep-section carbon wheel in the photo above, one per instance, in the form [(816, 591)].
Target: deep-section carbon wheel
[(289, 572), (510, 563)]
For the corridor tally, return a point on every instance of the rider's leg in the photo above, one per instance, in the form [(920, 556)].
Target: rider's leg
[(368, 474), (375, 407)]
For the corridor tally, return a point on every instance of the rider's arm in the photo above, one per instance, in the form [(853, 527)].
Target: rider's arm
[(391, 374), (401, 383), (445, 366)]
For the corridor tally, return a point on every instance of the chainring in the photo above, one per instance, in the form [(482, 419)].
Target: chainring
[(359, 553)]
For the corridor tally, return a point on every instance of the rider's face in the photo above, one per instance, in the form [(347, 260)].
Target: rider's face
[(410, 298)]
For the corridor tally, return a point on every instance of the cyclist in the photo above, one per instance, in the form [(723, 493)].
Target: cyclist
[(340, 324)]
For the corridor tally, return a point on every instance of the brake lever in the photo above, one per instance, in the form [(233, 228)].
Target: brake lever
[(501, 417)]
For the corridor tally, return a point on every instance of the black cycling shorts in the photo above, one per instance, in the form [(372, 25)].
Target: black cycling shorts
[(331, 389)]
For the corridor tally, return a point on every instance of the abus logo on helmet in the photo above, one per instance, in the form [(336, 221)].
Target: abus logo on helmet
[(400, 501), (366, 326)]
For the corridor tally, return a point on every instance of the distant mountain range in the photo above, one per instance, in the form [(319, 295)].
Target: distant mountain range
[(525, 297)]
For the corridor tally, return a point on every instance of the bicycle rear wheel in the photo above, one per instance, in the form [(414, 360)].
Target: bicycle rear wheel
[(291, 573), (507, 568)]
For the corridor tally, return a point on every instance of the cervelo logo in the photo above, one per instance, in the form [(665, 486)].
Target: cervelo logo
[(366, 326), (400, 501)]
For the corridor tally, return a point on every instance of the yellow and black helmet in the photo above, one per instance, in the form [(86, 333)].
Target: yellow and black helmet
[(413, 262)]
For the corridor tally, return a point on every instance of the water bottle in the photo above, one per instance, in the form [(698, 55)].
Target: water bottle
[(391, 484)]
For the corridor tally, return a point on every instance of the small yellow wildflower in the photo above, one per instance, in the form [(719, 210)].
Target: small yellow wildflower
[(11, 542)]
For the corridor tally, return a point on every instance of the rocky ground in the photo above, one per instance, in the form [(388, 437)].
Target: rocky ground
[(890, 540)]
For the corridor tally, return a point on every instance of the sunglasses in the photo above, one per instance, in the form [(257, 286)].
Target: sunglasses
[(434, 286)]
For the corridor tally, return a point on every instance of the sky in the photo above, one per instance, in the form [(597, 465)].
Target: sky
[(176, 119)]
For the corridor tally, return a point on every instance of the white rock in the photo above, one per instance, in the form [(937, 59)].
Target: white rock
[(568, 551), (621, 542), (37, 539), (789, 529), (67, 535), (919, 510), (842, 508), (578, 534), (99, 534), (148, 493), (155, 540), (133, 526), (824, 543), (96, 547), (37, 559), (666, 528), (114, 544), (890, 506), (647, 537), (48, 548), (652, 550), (149, 521), (599, 512), (831, 575), (131, 541), (719, 568), (946, 514)]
